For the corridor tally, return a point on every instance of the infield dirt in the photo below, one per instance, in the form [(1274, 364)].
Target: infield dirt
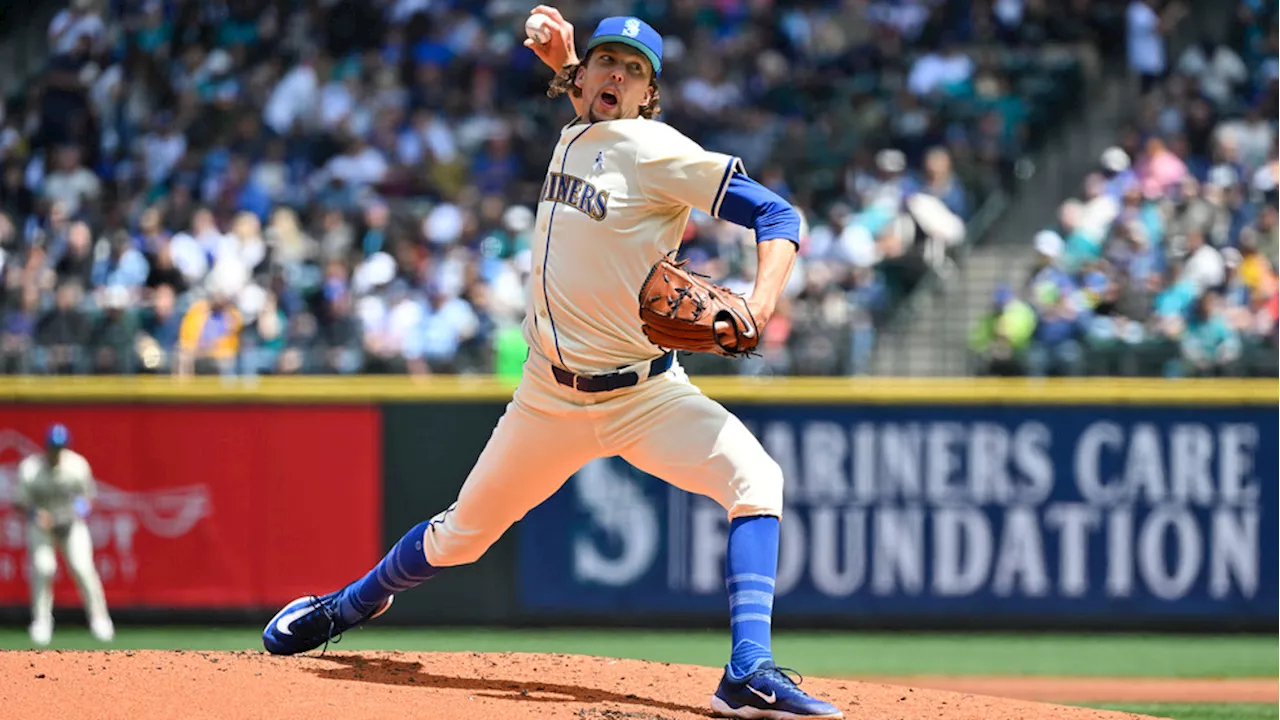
[(1103, 689), (141, 685)]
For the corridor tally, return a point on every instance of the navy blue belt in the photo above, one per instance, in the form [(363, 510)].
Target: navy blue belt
[(610, 381)]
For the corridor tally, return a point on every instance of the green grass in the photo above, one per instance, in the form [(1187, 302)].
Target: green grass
[(818, 653), (1238, 711)]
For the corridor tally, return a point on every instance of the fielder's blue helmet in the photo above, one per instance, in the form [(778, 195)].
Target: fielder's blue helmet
[(58, 436)]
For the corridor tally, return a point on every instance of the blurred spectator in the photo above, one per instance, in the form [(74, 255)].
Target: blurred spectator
[(1210, 346), (112, 339), (1055, 347), (121, 265), (1218, 68), (266, 337), (1202, 265), (209, 336), (1000, 338), (78, 24), (1160, 168), (76, 263), (940, 181), (946, 70), (18, 332), (339, 344), (447, 322), (1149, 23), (1046, 268), (69, 182), (63, 333), (16, 199), (160, 328)]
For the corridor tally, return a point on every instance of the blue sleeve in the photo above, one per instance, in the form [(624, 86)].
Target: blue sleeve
[(752, 205)]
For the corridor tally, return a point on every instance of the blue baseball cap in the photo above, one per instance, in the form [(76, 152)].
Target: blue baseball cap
[(58, 436), (633, 32), (1096, 280)]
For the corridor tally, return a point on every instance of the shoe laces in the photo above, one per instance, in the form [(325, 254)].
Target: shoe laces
[(784, 675), (332, 617)]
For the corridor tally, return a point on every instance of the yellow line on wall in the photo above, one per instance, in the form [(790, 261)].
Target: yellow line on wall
[(864, 390)]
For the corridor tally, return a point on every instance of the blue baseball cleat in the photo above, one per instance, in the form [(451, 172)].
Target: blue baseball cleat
[(309, 622), (767, 694)]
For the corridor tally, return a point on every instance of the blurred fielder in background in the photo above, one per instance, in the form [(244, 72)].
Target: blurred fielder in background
[(55, 491)]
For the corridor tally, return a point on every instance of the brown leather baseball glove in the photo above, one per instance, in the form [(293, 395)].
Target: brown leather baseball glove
[(682, 310)]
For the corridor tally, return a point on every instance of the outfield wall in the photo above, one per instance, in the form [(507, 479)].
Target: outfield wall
[(910, 503)]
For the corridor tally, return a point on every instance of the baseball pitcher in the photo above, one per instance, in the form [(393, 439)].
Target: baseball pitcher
[(607, 310), (56, 491)]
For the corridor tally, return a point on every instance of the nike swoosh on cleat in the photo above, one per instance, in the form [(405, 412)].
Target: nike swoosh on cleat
[(282, 625), (771, 698)]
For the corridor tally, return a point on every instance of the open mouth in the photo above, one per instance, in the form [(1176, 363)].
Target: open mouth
[(608, 99)]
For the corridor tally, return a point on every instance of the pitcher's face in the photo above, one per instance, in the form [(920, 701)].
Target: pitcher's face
[(615, 82)]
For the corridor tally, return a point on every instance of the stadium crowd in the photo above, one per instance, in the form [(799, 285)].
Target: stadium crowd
[(343, 186), (1166, 265)]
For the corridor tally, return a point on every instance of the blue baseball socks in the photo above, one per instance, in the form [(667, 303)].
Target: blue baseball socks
[(405, 566), (750, 568)]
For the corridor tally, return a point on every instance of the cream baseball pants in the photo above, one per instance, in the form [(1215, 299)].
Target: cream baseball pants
[(664, 426), (76, 548)]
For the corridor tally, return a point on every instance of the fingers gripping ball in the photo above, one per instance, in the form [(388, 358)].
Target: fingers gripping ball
[(681, 310), (536, 28)]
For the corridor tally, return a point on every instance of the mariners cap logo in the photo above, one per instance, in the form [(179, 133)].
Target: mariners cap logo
[(631, 27)]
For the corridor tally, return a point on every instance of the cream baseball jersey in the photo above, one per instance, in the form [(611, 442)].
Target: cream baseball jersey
[(55, 489), (617, 197)]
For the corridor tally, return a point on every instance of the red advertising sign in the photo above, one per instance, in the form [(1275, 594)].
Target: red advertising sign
[(207, 506)]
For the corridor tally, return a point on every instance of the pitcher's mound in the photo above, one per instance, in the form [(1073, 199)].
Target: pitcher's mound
[(140, 685)]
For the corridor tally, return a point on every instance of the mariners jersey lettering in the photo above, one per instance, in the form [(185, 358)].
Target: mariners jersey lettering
[(616, 198), (579, 193)]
